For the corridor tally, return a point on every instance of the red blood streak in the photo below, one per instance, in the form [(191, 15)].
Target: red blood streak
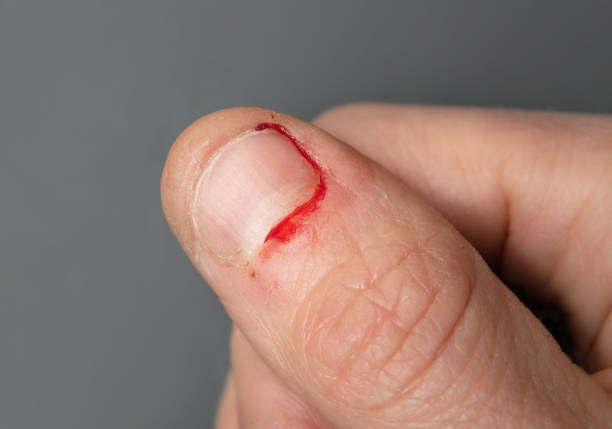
[(293, 222)]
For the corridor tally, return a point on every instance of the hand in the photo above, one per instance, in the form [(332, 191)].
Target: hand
[(356, 263)]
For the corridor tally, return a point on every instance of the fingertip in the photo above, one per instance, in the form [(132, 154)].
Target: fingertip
[(189, 155)]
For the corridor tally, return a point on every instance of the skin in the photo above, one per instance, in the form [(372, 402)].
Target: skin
[(390, 309)]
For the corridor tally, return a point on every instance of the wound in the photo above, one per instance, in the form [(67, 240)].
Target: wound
[(294, 222)]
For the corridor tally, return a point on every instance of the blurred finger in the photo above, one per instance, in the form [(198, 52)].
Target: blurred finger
[(227, 410), (264, 400)]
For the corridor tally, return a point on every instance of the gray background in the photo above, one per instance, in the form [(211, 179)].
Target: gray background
[(103, 322)]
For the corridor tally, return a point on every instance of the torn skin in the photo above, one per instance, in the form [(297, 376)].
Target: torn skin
[(292, 224)]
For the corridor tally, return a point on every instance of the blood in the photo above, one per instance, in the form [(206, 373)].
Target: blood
[(293, 223)]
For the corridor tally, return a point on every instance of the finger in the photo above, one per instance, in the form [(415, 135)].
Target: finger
[(529, 190), (356, 293), (227, 411), (264, 401)]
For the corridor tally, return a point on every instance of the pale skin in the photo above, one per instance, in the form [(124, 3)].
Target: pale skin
[(384, 311)]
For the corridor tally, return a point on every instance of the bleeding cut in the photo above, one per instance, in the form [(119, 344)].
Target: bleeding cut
[(293, 223)]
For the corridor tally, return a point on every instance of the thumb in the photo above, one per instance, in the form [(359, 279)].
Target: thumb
[(357, 294)]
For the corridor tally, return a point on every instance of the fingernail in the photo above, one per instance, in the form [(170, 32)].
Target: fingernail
[(248, 187)]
